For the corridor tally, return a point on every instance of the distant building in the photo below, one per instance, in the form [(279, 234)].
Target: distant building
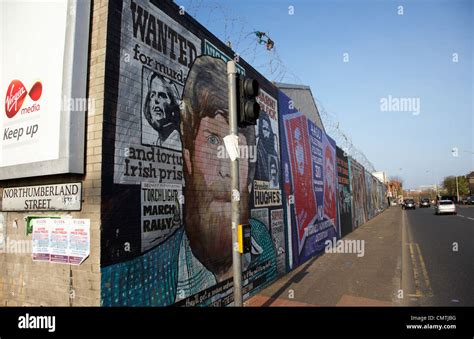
[(382, 176), (394, 188), (427, 187)]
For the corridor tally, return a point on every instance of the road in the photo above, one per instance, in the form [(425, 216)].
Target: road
[(412, 258), (346, 279), (438, 257)]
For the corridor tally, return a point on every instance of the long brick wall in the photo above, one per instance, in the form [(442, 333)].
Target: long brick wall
[(153, 202)]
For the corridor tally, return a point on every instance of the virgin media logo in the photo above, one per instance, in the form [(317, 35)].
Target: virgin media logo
[(16, 94)]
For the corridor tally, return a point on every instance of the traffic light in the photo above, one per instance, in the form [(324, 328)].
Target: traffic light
[(248, 109), (244, 238)]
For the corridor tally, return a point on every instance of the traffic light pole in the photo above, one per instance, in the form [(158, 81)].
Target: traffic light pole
[(236, 256)]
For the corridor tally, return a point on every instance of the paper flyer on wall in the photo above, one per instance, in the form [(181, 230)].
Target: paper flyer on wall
[(61, 241), (40, 240)]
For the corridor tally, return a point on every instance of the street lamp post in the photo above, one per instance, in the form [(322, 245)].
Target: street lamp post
[(400, 189), (457, 189), (454, 152)]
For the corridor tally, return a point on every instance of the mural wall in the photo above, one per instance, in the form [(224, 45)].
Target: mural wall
[(376, 195), (267, 195), (370, 189), (359, 193), (381, 202), (344, 194), (166, 207), (309, 180), (166, 222)]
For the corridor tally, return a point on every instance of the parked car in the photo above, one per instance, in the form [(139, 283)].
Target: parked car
[(425, 202), (468, 200), (445, 206), (409, 204), (453, 198)]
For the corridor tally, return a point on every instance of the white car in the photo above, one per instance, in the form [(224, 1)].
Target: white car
[(445, 206)]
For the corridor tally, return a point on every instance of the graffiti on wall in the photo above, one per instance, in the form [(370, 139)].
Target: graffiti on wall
[(171, 121)]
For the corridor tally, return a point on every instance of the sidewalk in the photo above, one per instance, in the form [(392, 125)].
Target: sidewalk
[(346, 279)]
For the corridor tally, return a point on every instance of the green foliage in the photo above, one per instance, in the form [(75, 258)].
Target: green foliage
[(463, 184), (449, 184)]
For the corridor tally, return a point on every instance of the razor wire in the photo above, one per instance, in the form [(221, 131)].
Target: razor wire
[(270, 64)]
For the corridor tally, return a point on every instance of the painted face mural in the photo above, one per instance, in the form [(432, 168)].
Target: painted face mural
[(266, 151), (266, 129), (160, 101), (204, 125), (161, 112), (208, 218), (273, 173)]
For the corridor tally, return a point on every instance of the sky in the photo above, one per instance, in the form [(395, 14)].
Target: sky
[(421, 54)]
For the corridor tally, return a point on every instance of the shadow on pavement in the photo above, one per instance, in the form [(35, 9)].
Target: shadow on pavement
[(295, 279)]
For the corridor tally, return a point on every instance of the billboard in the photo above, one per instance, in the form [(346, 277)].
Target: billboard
[(43, 87)]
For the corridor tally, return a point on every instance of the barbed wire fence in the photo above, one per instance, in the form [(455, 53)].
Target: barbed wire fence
[(270, 64), (343, 140)]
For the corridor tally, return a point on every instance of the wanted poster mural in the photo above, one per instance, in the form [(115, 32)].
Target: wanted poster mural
[(154, 63)]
